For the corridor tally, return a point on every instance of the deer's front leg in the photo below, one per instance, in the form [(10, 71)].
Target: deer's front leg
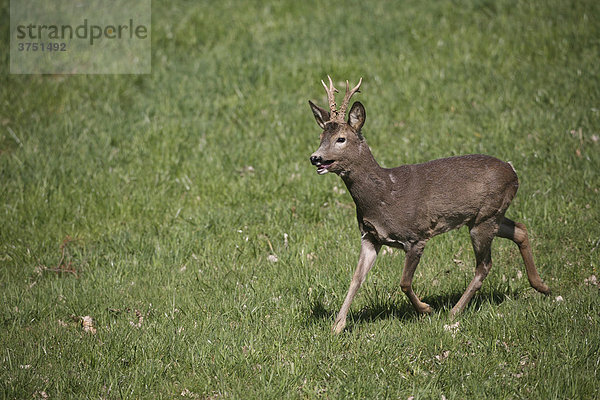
[(413, 255), (368, 254)]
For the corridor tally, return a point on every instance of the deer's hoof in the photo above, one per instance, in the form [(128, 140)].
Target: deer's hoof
[(338, 326), (454, 312), (425, 309), (543, 288)]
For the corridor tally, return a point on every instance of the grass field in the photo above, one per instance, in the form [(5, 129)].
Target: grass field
[(180, 212)]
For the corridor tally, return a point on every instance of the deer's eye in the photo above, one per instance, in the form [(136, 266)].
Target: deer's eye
[(341, 140)]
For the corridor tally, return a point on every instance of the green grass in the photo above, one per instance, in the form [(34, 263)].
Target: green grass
[(165, 195)]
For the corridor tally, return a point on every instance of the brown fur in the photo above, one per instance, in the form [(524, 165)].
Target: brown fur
[(406, 206)]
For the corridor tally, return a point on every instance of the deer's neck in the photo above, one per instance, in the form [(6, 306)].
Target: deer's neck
[(364, 179)]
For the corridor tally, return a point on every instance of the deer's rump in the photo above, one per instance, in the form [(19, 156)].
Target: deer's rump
[(444, 194)]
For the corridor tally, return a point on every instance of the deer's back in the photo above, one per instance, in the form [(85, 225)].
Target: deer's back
[(423, 200)]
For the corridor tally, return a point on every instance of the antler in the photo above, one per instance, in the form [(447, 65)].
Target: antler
[(331, 96), (339, 115), (347, 96)]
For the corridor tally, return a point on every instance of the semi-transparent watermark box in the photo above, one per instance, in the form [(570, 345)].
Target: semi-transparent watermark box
[(80, 37)]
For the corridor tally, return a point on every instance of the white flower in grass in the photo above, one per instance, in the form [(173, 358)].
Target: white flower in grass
[(87, 323)]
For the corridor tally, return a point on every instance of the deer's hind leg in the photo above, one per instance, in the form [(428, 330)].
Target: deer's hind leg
[(517, 232), (481, 238)]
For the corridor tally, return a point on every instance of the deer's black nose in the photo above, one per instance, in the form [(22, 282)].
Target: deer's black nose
[(316, 160)]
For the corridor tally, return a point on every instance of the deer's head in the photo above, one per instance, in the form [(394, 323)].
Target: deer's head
[(341, 140)]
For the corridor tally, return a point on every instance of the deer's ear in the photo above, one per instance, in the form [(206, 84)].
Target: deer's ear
[(357, 115), (321, 115)]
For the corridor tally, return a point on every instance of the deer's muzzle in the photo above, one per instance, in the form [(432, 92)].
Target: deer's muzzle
[(322, 166)]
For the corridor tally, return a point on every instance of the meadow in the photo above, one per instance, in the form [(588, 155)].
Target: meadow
[(178, 210)]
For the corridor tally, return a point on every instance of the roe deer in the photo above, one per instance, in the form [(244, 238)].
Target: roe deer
[(405, 206)]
